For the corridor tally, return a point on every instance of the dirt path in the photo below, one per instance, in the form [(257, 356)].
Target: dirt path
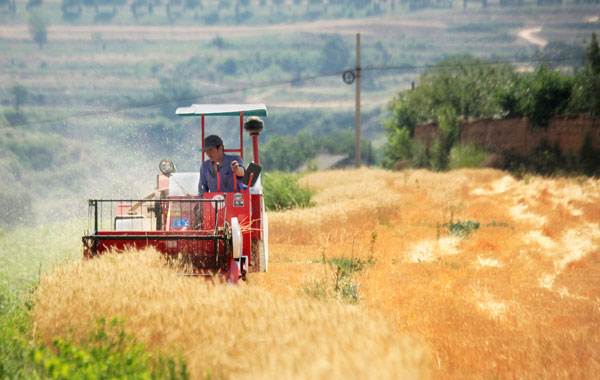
[(199, 33), (527, 35)]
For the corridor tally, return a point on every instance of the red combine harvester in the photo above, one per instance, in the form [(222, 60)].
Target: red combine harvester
[(219, 233)]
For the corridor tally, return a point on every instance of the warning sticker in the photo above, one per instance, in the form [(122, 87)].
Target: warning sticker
[(181, 223)]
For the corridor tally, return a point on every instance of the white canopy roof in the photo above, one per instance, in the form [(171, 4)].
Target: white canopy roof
[(222, 110)]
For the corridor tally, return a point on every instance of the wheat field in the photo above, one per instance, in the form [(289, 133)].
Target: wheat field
[(224, 331), (518, 297)]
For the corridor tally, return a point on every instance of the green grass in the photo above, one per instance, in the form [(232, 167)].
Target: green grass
[(26, 253), (282, 192), (466, 156), (338, 281)]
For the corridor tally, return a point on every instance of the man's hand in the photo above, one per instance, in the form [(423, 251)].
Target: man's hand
[(237, 169)]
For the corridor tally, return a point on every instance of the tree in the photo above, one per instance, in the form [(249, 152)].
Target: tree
[(20, 95), (335, 54), (466, 84), (586, 89), (449, 136), (558, 53), (457, 88), (37, 28), (546, 93), (71, 9), (193, 4), (33, 3), (592, 55), (173, 93)]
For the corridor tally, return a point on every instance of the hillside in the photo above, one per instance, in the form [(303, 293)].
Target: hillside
[(496, 276), (98, 96)]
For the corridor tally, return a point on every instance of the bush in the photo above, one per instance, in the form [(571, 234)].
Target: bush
[(108, 354), (467, 156), (15, 351), (462, 229), (544, 159), (282, 192), (547, 94)]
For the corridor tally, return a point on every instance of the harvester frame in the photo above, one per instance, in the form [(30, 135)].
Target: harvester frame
[(218, 233)]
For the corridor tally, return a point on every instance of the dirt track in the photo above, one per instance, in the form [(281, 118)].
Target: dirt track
[(200, 33), (527, 34)]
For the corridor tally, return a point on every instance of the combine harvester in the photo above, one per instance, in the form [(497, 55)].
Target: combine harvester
[(219, 233)]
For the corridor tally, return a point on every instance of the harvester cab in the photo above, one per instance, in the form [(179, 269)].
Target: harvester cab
[(217, 233)]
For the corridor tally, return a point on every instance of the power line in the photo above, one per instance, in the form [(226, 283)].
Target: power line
[(283, 83)]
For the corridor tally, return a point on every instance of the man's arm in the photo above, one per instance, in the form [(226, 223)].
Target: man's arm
[(237, 165)]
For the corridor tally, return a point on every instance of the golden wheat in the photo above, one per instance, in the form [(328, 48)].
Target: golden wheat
[(229, 332), (519, 297)]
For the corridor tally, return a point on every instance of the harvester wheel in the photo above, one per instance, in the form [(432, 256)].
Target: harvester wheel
[(236, 238)]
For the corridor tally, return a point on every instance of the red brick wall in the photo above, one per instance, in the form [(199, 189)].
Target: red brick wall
[(516, 134)]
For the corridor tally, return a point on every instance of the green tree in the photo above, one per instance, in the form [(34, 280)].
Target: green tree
[(450, 135), (19, 94), (71, 9), (592, 55), (193, 4), (33, 3), (38, 28), (586, 89), (560, 53), (335, 54), (546, 93), (173, 93), (457, 88)]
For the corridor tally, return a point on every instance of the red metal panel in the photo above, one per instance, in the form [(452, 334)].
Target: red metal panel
[(242, 134), (255, 148)]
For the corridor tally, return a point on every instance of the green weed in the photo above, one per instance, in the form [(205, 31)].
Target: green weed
[(109, 353), (282, 192), (462, 229), (15, 333), (467, 156), (338, 277)]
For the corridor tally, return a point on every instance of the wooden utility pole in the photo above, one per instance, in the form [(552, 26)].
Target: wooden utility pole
[(357, 105)]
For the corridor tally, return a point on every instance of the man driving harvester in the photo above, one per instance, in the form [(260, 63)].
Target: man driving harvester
[(216, 173)]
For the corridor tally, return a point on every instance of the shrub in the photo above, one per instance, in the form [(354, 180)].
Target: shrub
[(282, 192), (546, 94), (15, 352), (462, 229), (467, 156), (108, 354)]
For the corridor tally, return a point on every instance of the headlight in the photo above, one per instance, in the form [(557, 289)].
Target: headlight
[(166, 166)]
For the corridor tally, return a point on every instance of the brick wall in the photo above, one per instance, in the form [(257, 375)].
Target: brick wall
[(516, 134)]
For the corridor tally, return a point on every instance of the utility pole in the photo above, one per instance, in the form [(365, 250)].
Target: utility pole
[(357, 105)]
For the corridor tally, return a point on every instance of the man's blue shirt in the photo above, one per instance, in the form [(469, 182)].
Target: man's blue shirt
[(208, 176)]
